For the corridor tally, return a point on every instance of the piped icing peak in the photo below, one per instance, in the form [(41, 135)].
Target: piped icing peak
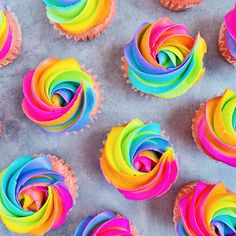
[(214, 127), (205, 209), (139, 161), (105, 223), (60, 96), (163, 60), (33, 197)]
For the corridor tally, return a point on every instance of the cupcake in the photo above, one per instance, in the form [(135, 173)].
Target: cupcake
[(35, 197), (106, 223), (10, 36), (214, 128), (60, 96), (139, 161), (81, 19), (205, 209), (227, 37), (163, 60), (180, 5)]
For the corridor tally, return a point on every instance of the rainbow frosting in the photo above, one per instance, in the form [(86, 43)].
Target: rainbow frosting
[(163, 60), (205, 210), (231, 31), (78, 16), (60, 96), (139, 161), (105, 223), (33, 197), (214, 127)]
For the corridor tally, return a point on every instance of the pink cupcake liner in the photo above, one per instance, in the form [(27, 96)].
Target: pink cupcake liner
[(64, 169), (93, 32), (187, 189), (180, 5), (223, 47), (15, 48), (133, 228)]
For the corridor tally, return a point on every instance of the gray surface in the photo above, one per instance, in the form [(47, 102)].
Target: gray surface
[(21, 136)]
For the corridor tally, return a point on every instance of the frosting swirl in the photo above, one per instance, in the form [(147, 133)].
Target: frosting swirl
[(78, 16), (33, 197), (207, 210), (231, 32), (60, 96), (163, 60), (139, 161), (214, 127), (105, 223)]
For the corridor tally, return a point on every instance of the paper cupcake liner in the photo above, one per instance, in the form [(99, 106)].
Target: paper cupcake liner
[(180, 5), (97, 109), (91, 33), (15, 48), (133, 228), (223, 47), (64, 169), (187, 189), (124, 68), (1, 128)]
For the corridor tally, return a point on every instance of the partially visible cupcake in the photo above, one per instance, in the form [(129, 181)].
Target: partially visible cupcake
[(36, 194), (163, 60), (214, 128), (10, 36), (139, 161), (180, 5), (106, 223), (227, 37), (60, 96), (205, 209), (81, 19)]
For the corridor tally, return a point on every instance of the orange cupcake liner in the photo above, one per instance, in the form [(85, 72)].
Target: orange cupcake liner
[(187, 189), (94, 31), (133, 228), (223, 47), (64, 169), (15, 48), (180, 5)]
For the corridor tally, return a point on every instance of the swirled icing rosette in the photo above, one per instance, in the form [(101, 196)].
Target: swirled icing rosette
[(204, 209), (163, 60), (60, 96), (106, 223), (139, 161), (81, 19), (35, 197), (10, 36), (214, 128), (180, 5), (227, 37)]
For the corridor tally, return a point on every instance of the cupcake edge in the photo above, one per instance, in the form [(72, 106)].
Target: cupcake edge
[(16, 43), (91, 33), (226, 54), (63, 168), (178, 5)]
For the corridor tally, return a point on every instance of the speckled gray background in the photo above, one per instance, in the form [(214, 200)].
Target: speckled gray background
[(102, 55)]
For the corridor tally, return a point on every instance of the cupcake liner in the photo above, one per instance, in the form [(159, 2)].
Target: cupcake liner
[(187, 189), (93, 32), (1, 128), (124, 68), (64, 169), (97, 109), (180, 5), (223, 47), (15, 48), (133, 228)]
